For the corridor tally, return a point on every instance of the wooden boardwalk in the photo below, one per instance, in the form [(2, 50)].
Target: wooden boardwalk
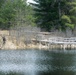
[(63, 42), (60, 40)]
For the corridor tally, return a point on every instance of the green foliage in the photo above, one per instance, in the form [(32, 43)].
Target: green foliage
[(67, 22), (73, 10), (66, 19), (71, 3), (15, 13), (7, 15), (29, 16), (70, 25), (1, 2), (55, 14)]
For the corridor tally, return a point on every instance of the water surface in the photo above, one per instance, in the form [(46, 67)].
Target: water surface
[(37, 62)]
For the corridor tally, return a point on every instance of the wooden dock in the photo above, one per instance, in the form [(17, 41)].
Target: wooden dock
[(60, 42)]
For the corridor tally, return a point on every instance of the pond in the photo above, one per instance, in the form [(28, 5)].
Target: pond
[(37, 62)]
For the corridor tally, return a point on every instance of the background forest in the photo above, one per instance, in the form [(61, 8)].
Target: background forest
[(47, 14), (15, 13)]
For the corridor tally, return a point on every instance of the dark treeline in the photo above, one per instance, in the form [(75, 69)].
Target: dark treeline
[(55, 14), (46, 14)]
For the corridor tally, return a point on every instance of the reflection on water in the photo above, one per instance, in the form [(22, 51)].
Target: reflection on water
[(35, 62)]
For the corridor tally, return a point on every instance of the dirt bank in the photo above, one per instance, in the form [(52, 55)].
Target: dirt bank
[(17, 41)]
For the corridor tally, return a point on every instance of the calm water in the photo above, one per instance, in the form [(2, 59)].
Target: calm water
[(35, 62)]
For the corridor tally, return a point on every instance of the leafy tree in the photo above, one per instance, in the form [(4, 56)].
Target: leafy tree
[(7, 14), (68, 17), (15, 13), (55, 14), (1, 2), (24, 14)]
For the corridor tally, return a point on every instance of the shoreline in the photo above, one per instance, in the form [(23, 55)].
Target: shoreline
[(18, 43), (38, 47), (13, 44)]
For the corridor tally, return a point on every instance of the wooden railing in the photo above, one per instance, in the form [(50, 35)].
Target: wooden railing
[(60, 40)]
